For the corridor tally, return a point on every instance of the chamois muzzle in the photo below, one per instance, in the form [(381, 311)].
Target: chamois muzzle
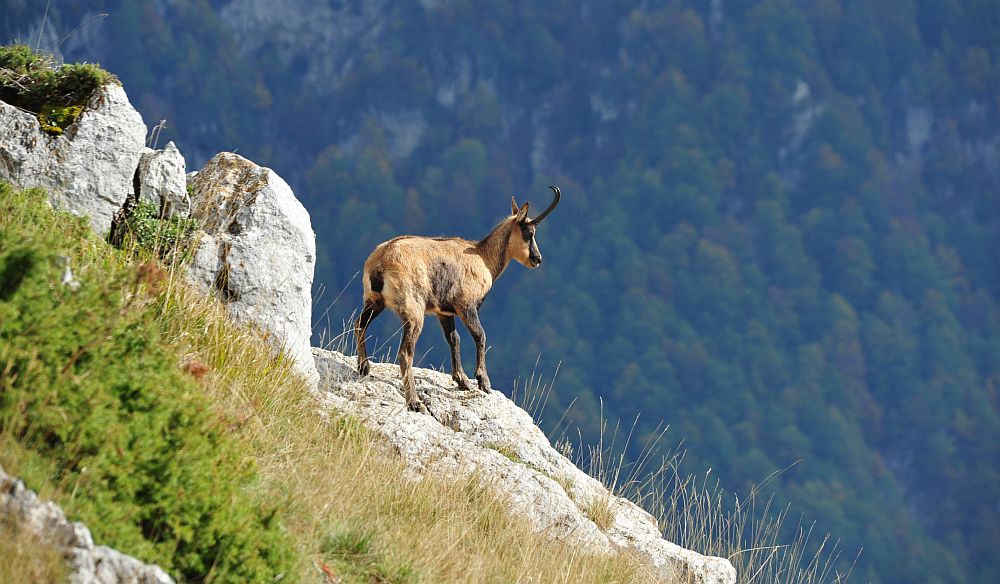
[(545, 213)]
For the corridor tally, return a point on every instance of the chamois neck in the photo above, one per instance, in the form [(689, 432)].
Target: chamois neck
[(493, 248)]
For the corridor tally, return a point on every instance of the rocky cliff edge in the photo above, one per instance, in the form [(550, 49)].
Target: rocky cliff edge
[(489, 435)]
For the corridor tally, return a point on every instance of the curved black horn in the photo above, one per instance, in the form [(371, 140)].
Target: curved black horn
[(555, 201)]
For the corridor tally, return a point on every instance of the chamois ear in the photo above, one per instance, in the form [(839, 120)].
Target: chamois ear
[(522, 213), (513, 206)]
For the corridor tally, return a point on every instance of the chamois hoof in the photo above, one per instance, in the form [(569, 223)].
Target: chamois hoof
[(417, 406), (463, 383), (484, 384), (364, 368)]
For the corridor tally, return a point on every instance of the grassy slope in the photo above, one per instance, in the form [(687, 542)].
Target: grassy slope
[(178, 437)]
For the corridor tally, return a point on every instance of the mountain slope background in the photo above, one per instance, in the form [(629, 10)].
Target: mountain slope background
[(778, 234)]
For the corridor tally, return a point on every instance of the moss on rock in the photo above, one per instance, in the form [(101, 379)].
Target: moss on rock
[(57, 95)]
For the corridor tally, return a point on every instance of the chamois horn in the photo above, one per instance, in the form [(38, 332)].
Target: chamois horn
[(555, 201)]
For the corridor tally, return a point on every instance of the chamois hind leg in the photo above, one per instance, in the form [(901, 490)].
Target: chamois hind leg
[(372, 308), (457, 373), (411, 331), (470, 316)]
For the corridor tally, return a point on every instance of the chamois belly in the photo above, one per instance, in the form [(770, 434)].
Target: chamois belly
[(445, 288)]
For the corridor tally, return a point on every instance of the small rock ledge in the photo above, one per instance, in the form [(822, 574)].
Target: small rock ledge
[(465, 433), (90, 564)]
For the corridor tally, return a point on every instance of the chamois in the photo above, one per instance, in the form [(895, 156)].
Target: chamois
[(446, 276)]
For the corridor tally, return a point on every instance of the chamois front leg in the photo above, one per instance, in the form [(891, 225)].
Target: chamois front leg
[(457, 373), (470, 316), (411, 330), (368, 313)]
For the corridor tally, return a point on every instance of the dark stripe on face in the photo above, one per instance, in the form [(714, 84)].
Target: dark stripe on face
[(376, 282), (534, 255)]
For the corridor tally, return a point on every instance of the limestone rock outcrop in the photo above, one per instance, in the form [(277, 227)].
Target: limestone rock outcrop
[(89, 169), (256, 251), (162, 181), (21, 508), (471, 432)]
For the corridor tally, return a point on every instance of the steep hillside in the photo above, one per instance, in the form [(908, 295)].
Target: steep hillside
[(152, 368), (778, 230), (177, 437)]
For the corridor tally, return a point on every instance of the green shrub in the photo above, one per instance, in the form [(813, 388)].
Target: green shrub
[(56, 95), (136, 450), (149, 232)]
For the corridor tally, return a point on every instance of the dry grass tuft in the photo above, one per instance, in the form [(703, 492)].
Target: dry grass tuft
[(506, 450), (699, 515), (26, 559), (601, 510), (745, 529)]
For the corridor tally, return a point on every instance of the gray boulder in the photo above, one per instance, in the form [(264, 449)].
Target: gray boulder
[(488, 434), (21, 508), (162, 181), (88, 169), (256, 251)]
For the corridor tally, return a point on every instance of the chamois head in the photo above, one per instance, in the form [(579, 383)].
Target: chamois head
[(521, 245)]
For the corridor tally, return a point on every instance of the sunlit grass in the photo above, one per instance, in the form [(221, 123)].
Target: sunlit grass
[(27, 559)]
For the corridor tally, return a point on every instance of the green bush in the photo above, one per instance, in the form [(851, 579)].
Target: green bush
[(136, 450), (151, 233), (31, 81)]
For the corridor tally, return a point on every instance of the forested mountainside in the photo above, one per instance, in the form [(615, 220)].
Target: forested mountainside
[(778, 233)]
